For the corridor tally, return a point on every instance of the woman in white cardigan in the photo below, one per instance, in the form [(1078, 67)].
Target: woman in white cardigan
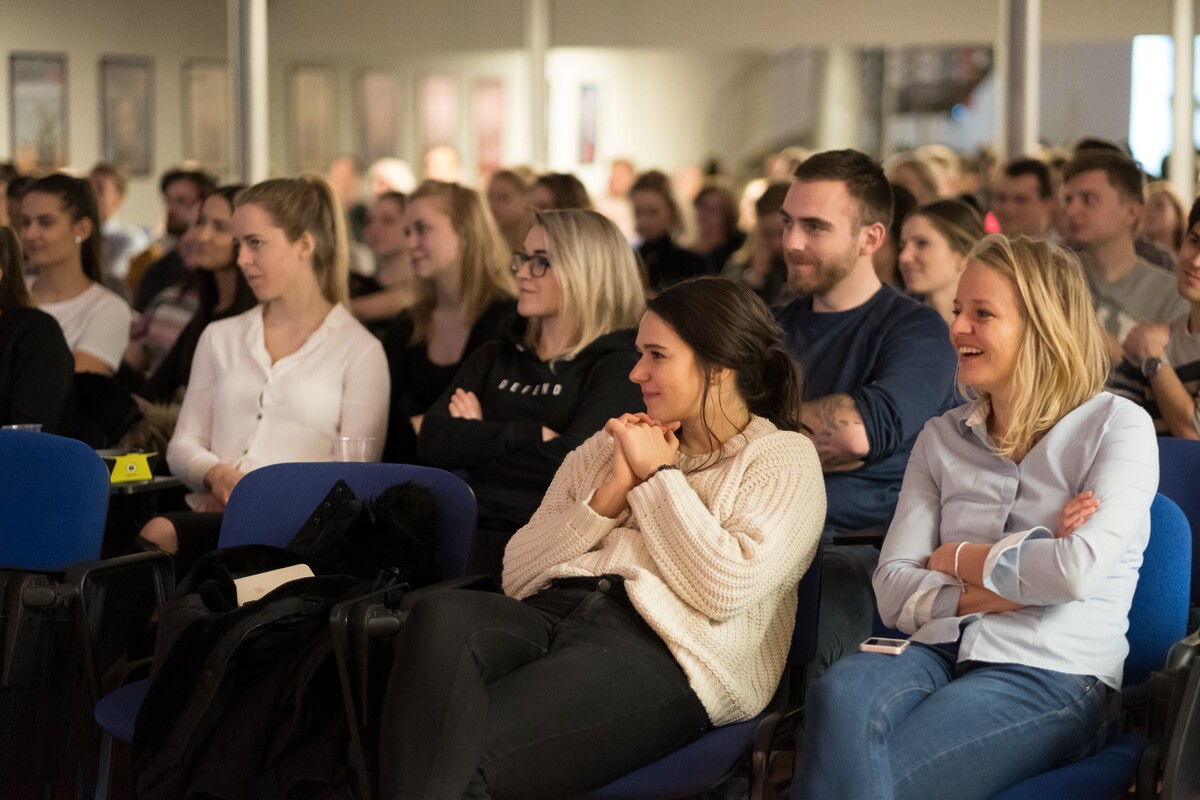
[(281, 381), (651, 596)]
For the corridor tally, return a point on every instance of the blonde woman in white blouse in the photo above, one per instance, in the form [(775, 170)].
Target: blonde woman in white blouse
[(281, 381), (651, 596)]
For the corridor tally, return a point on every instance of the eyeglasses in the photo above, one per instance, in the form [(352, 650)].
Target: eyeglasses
[(538, 264)]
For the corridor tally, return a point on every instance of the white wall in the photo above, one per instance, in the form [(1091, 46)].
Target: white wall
[(778, 24), (664, 121), (679, 79)]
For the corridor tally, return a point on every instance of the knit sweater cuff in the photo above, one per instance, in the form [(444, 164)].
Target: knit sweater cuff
[(589, 525), (660, 490)]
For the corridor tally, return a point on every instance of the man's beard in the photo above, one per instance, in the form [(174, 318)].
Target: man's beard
[(822, 279)]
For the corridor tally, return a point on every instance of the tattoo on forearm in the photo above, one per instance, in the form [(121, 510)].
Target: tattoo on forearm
[(827, 410)]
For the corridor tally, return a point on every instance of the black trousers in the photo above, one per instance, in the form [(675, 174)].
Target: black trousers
[(494, 698)]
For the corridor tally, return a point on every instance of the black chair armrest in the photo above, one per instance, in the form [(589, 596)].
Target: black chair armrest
[(116, 600), (1181, 777)]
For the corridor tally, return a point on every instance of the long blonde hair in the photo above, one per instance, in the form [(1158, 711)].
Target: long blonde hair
[(597, 274), (309, 204), (484, 256), (1061, 360)]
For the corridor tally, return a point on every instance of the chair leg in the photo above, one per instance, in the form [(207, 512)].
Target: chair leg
[(104, 774), (1147, 775)]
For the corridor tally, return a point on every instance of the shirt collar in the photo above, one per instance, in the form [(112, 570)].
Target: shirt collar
[(974, 420)]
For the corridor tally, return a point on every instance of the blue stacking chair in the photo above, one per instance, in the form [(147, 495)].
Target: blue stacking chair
[(53, 501), (1179, 468), (53, 504), (710, 760), (269, 506), (1157, 620)]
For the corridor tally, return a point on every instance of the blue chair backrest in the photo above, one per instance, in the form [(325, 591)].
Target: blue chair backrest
[(53, 501), (1158, 614), (1178, 474), (271, 504)]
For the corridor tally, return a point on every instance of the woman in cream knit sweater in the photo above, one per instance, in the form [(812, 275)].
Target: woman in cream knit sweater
[(651, 596)]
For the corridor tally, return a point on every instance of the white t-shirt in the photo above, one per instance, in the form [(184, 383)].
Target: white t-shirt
[(241, 409), (95, 322)]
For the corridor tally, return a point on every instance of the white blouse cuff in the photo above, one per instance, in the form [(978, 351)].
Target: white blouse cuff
[(918, 609)]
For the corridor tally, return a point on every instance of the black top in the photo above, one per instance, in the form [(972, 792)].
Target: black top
[(715, 259), (167, 271), (417, 381), (37, 369), (667, 262), (508, 465)]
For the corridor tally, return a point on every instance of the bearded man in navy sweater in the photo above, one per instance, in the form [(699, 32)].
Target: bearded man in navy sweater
[(877, 366)]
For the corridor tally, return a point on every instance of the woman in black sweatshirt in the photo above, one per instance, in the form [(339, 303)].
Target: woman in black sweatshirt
[(558, 372)]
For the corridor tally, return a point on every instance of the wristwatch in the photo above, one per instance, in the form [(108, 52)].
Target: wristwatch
[(1151, 366)]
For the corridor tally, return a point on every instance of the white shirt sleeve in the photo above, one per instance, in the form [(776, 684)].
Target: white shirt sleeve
[(366, 394), (104, 328), (189, 453)]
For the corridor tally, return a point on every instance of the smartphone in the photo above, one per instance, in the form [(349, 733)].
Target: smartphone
[(876, 644)]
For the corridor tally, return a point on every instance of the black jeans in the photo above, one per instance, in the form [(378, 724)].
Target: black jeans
[(561, 693), (847, 602)]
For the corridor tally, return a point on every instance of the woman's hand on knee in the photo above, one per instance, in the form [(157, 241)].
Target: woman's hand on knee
[(161, 533), (221, 481)]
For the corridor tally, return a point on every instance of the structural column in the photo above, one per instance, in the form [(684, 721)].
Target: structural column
[(537, 42), (1018, 66), (247, 46), (841, 99), (1183, 170)]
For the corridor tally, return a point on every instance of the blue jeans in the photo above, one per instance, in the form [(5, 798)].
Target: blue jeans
[(918, 725)]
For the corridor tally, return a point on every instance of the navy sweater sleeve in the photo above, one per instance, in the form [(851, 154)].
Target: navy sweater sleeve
[(913, 382)]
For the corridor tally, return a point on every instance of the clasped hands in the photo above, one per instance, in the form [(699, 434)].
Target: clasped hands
[(641, 445)]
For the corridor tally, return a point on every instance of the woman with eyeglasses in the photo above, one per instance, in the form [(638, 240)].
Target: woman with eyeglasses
[(556, 374), (462, 293)]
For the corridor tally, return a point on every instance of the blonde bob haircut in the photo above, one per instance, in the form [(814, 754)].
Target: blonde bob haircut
[(308, 204), (1061, 360), (483, 255), (597, 274)]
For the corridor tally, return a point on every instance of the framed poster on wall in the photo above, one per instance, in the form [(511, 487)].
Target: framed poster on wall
[(314, 109), (127, 113), (207, 122), (378, 115), (38, 111), (438, 110), (487, 107)]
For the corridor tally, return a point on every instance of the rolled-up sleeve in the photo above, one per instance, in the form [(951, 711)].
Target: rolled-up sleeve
[(905, 590)]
